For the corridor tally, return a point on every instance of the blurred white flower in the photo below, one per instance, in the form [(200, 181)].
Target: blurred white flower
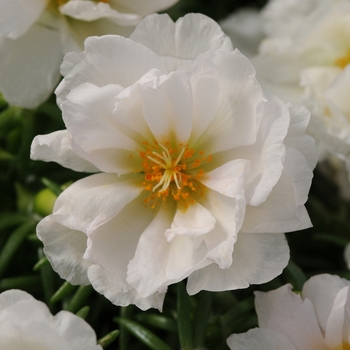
[(316, 319), (35, 35), (198, 173), (244, 27), (305, 59), (26, 323)]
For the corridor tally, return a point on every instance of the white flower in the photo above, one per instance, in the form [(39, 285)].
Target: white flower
[(35, 35), (305, 59), (198, 174), (26, 323), (317, 319)]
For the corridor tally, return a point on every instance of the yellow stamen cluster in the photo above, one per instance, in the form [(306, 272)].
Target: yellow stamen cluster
[(172, 173), (342, 62)]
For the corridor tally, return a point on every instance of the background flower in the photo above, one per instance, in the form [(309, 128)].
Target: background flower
[(207, 170), (304, 59), (318, 318), (35, 35), (27, 323)]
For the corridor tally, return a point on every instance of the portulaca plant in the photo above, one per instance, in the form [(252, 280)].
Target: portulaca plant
[(197, 174), (36, 34), (26, 323), (316, 319)]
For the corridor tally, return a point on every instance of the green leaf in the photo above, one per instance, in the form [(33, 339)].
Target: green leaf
[(83, 312), (108, 339), (183, 318), (13, 243), (24, 199), (125, 312), (243, 307), (9, 118), (51, 185), (294, 275), (79, 298), (19, 282), (62, 292), (143, 334), (8, 220), (47, 279), (201, 318), (42, 262), (158, 321)]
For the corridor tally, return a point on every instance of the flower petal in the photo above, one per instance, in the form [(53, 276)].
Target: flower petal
[(338, 323), (97, 134), (25, 54), (104, 284), (228, 179), (180, 42), (111, 247), (109, 59), (283, 311), (192, 222), (157, 262), (228, 213), (167, 107), (283, 211), (56, 147), (91, 11), (256, 259), (258, 338), (17, 16), (322, 290), (65, 249), (94, 200), (241, 103)]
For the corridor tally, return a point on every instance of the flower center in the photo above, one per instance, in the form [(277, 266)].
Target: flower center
[(342, 62), (172, 173)]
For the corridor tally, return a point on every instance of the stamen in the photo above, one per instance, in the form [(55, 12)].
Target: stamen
[(178, 178)]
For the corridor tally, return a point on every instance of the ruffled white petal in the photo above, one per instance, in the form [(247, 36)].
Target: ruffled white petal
[(56, 147), (157, 262), (123, 63), (262, 339), (111, 247), (241, 103), (94, 200), (167, 108), (228, 179), (256, 259), (64, 248), (97, 133), (91, 11), (104, 284), (193, 221), (183, 41)]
